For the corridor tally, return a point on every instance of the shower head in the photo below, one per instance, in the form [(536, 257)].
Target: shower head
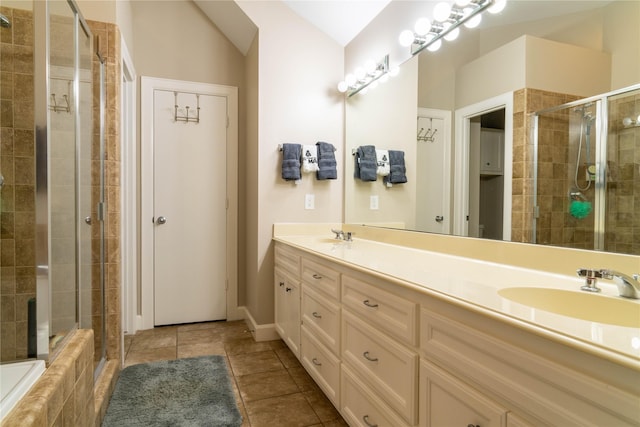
[(4, 21)]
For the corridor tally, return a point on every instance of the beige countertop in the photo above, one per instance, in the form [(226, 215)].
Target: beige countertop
[(475, 284)]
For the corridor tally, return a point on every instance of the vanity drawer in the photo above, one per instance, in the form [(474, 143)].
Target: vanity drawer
[(321, 278), (388, 367), (361, 407), (322, 318), (287, 259), (389, 312), (322, 365)]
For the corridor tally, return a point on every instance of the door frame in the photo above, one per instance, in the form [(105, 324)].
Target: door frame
[(462, 121), (148, 86)]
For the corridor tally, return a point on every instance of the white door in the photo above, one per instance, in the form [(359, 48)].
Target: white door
[(189, 209), (433, 171)]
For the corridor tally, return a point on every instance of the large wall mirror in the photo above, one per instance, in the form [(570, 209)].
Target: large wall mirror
[(462, 117)]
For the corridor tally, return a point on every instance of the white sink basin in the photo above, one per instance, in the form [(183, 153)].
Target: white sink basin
[(578, 304)]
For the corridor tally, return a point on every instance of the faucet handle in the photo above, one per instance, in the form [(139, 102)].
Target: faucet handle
[(338, 233), (591, 277)]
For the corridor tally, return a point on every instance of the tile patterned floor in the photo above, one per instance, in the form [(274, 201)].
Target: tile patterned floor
[(271, 386)]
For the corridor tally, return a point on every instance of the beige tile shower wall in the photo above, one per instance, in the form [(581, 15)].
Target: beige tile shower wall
[(17, 203), (109, 37), (552, 179), (623, 178), (64, 393)]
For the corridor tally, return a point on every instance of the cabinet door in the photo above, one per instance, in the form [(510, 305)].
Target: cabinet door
[(491, 151), (446, 401), (287, 310)]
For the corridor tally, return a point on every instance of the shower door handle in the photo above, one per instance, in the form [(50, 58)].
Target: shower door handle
[(161, 220)]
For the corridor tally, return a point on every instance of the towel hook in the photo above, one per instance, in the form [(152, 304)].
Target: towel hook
[(186, 118)]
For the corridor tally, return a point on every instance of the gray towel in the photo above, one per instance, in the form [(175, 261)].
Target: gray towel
[(397, 168), (366, 163), (326, 161), (291, 154)]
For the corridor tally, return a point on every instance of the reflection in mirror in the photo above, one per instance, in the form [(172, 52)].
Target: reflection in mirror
[(542, 55)]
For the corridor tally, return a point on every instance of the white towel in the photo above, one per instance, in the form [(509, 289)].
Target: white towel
[(382, 158), (309, 158)]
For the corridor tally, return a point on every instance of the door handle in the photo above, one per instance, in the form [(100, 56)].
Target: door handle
[(87, 220), (161, 220), (439, 218)]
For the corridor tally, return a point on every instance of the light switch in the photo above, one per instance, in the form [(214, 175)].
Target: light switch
[(309, 201), (373, 203)]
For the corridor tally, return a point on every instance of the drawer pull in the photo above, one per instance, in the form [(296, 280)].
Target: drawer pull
[(366, 421), (316, 315), (317, 276), (368, 304), (473, 425), (315, 362), (369, 358), (287, 289), (281, 284)]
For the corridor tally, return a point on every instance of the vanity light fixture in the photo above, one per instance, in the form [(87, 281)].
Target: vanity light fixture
[(367, 76), (447, 18)]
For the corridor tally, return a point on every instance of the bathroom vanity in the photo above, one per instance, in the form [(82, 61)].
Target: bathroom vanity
[(397, 336)]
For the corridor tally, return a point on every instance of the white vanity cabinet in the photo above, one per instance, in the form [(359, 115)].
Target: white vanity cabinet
[(321, 313), (287, 296), (390, 353)]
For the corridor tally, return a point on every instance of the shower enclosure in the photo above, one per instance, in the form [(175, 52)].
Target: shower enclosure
[(587, 173), (53, 166)]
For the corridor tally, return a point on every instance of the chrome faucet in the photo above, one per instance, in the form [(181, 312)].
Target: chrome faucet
[(628, 286), (347, 237)]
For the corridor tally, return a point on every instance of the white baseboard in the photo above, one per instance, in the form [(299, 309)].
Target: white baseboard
[(260, 332)]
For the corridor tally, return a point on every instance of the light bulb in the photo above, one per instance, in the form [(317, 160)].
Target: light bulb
[(627, 121), (360, 73), (473, 22), (342, 87), (462, 3), (422, 27), (452, 35), (350, 79), (498, 6), (441, 11), (406, 38), (435, 45)]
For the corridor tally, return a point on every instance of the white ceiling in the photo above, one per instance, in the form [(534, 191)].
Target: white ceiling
[(342, 20)]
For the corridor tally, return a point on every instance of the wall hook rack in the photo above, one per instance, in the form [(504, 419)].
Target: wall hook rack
[(65, 107), (186, 118), (428, 135)]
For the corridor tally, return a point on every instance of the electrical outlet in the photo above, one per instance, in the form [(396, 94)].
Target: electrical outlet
[(373, 203), (309, 201)]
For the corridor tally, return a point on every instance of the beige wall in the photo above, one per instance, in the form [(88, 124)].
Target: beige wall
[(298, 69), (175, 40), (368, 124)]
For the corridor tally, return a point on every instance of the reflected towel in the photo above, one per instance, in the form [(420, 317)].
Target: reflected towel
[(291, 161), (382, 157), (327, 166), (397, 168), (366, 163), (309, 158)]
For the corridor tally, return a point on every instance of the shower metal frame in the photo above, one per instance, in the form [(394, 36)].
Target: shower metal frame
[(602, 134), (42, 51)]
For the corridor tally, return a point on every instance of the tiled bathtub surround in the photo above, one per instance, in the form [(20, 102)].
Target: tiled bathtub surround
[(17, 204), (18, 231), (64, 394)]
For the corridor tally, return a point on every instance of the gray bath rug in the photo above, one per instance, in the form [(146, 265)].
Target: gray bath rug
[(194, 392)]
